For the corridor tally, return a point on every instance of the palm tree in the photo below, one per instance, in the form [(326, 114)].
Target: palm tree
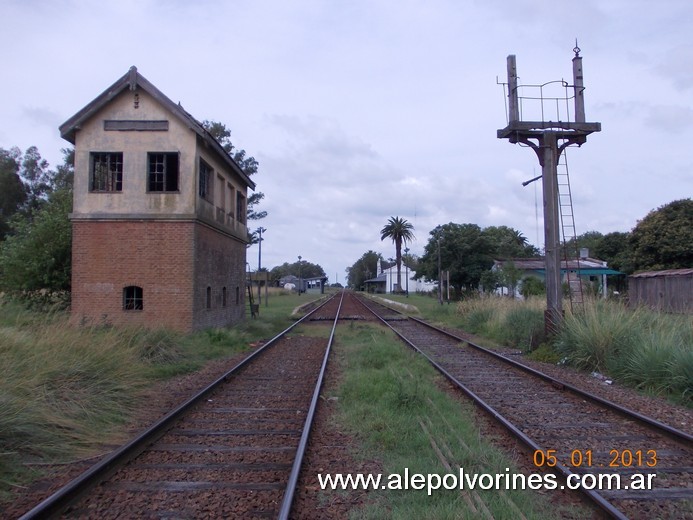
[(400, 231)]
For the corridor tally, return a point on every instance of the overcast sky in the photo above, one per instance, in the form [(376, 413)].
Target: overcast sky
[(361, 110)]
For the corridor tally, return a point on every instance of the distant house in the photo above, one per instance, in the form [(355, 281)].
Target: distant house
[(589, 270), (159, 214), (315, 284), (386, 280), (288, 282)]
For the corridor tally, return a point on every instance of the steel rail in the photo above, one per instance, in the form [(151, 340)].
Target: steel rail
[(677, 434), (305, 435), (667, 429), (73, 490), (596, 497)]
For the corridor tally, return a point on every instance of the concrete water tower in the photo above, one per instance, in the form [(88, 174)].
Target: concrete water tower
[(541, 117)]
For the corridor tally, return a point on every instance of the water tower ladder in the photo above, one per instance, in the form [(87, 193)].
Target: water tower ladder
[(569, 235)]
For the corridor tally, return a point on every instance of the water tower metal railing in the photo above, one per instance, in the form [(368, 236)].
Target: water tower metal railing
[(548, 138)]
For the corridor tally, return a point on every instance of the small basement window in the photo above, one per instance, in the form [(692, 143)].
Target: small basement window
[(106, 171), (133, 298), (163, 171)]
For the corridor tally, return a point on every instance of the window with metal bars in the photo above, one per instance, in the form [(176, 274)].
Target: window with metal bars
[(163, 171), (106, 171)]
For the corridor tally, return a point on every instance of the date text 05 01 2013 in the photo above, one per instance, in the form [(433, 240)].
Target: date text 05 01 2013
[(584, 459)]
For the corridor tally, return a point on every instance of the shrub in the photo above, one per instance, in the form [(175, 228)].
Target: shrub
[(508, 321), (524, 327), (532, 286)]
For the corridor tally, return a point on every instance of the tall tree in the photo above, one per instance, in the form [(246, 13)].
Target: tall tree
[(464, 250), (509, 243), (65, 173), (400, 231), (37, 178), (589, 240), (37, 252), (664, 238), (12, 191), (363, 269), (615, 249), (248, 164), (37, 255), (305, 268)]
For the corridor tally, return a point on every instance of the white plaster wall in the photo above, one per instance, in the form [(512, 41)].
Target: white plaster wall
[(134, 199)]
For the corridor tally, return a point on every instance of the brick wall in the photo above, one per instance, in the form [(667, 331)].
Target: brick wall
[(173, 262), (156, 256), (219, 262)]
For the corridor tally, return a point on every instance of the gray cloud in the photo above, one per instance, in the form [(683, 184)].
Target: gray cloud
[(358, 111)]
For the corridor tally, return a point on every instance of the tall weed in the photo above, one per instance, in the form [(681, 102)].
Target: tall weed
[(511, 322), (599, 338), (524, 328), (63, 391), (641, 348), (681, 369)]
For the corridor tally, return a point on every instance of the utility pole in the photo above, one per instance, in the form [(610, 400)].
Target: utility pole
[(260, 231), (299, 275), (440, 278), (548, 139), (406, 254)]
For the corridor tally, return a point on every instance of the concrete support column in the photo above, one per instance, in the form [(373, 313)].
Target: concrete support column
[(554, 296)]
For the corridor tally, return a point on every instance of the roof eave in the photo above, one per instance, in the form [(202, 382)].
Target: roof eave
[(68, 128), (131, 80)]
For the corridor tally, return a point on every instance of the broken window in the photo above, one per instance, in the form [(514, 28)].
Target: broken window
[(221, 183), (132, 298), (229, 199), (106, 171), (240, 207), (163, 171), (206, 188)]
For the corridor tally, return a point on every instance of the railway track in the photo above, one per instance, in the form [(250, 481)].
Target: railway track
[(568, 431), (233, 450)]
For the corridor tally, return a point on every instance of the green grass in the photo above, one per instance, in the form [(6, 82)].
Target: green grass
[(67, 391), (389, 400)]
